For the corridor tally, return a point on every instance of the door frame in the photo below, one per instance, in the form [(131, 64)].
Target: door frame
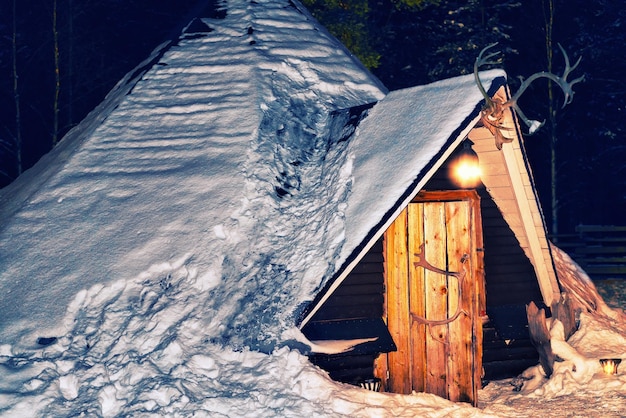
[(449, 373)]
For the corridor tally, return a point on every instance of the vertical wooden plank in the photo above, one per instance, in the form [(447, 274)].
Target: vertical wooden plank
[(480, 297), (416, 297), (436, 298), (381, 368), (399, 362), (460, 354)]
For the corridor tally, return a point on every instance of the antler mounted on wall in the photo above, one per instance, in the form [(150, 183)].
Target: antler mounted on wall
[(492, 113)]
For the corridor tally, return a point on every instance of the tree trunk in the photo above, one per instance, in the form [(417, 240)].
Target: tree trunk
[(16, 95), (554, 201), (57, 77), (70, 63)]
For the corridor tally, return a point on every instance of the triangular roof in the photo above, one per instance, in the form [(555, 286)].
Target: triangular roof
[(421, 129), (422, 126), (228, 162)]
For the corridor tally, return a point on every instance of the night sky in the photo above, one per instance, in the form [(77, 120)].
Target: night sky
[(100, 41)]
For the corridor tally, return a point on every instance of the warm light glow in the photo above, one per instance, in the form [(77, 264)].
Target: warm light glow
[(466, 172), (464, 168), (609, 365)]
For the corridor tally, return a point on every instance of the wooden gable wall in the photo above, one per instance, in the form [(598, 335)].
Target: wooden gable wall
[(358, 298), (511, 283), (517, 260), (509, 274), (361, 293)]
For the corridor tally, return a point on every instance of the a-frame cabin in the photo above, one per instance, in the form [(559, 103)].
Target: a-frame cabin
[(241, 109), (441, 283)]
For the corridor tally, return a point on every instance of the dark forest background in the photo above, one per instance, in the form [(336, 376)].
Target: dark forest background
[(59, 58)]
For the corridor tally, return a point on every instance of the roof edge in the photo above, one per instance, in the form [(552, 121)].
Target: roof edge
[(14, 195)]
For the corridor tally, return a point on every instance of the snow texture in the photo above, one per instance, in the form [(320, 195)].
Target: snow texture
[(154, 263), (399, 138)]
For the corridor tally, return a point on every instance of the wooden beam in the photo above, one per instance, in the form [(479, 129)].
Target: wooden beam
[(396, 257), (509, 183), (436, 298), (543, 268)]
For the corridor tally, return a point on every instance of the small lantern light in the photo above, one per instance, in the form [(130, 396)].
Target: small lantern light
[(371, 384), (609, 365), (465, 170)]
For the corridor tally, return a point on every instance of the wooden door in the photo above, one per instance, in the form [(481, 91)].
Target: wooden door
[(434, 297)]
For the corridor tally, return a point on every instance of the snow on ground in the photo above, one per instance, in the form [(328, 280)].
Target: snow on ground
[(142, 349), (147, 265), (578, 387)]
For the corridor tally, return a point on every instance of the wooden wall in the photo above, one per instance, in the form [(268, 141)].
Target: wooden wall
[(511, 283), (361, 293), (360, 296)]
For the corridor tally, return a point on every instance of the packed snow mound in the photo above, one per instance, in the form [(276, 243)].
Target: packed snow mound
[(577, 386), (160, 234), (601, 334), (223, 154), (143, 348), (578, 364)]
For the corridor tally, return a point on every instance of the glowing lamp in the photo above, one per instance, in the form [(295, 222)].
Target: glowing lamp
[(371, 384), (465, 170), (609, 365)]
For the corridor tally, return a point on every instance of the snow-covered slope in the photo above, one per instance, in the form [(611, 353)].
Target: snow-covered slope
[(184, 170)]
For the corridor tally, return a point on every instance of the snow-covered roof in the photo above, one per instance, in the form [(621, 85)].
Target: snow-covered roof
[(178, 165), (228, 157), (397, 148), (397, 143)]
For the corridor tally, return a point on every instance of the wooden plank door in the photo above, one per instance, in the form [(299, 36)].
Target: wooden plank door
[(434, 297)]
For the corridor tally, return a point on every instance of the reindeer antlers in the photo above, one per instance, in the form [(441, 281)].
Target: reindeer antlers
[(480, 61), (562, 82), (493, 111)]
